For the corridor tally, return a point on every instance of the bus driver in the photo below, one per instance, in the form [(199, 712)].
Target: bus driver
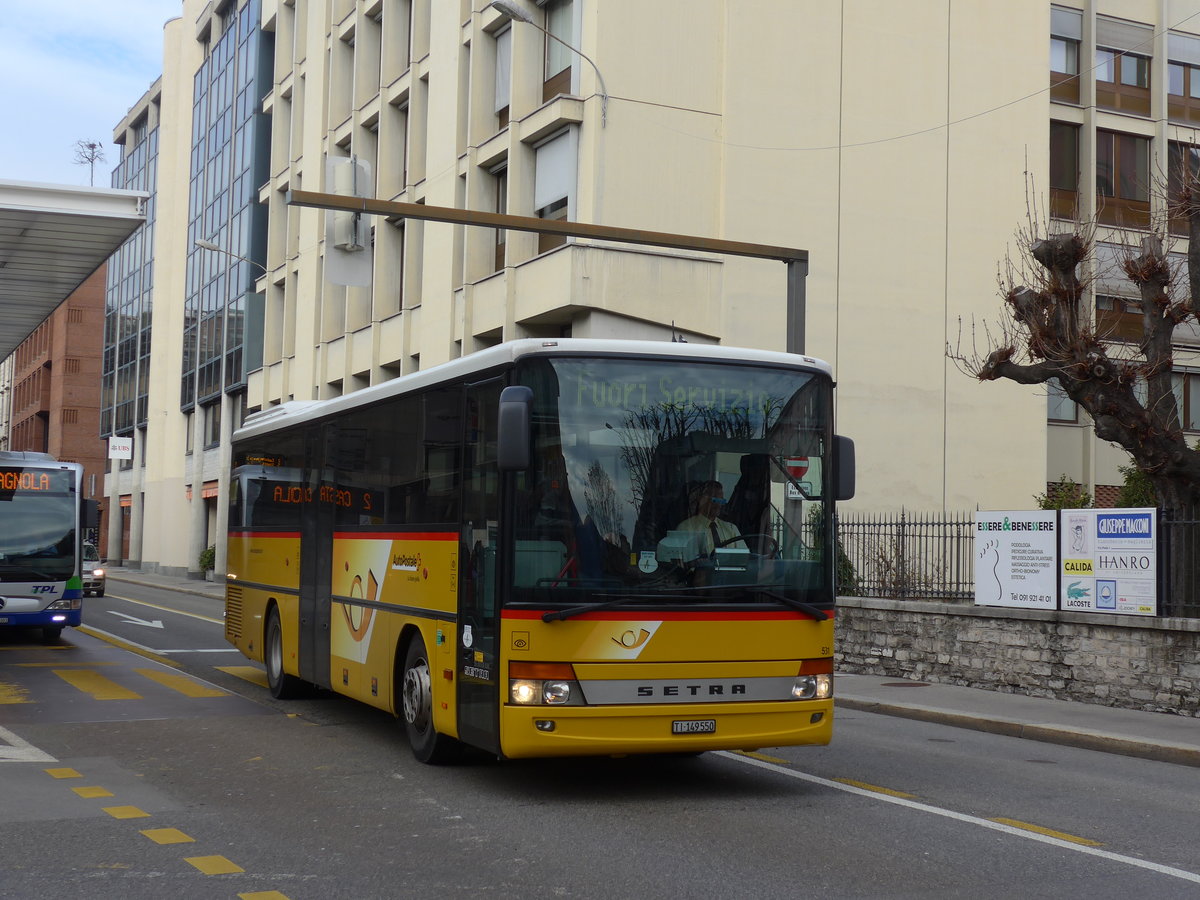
[(707, 501)]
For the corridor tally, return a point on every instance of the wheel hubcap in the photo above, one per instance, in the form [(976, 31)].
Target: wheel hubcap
[(417, 695)]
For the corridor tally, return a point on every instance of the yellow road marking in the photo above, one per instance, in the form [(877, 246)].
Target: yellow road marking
[(263, 895), (1038, 829), (764, 757), (126, 645), (60, 663), (874, 787), (126, 812), (13, 693), (63, 773), (213, 865), (97, 685), (182, 683), (246, 673), (168, 836), (89, 792)]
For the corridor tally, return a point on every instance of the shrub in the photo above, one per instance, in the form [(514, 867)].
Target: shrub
[(208, 558)]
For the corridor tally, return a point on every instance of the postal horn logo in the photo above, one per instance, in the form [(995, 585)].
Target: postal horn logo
[(630, 640)]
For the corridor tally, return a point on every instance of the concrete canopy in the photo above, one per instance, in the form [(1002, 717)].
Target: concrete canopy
[(52, 237)]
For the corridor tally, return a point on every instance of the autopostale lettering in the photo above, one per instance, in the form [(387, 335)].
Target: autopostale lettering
[(691, 690)]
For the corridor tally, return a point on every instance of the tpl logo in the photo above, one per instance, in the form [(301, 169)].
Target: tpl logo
[(43, 589)]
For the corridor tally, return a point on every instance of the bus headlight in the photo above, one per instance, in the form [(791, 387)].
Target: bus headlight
[(76, 603), (813, 687), (543, 684)]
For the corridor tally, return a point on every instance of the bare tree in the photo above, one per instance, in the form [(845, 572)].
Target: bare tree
[(1126, 387), (88, 153)]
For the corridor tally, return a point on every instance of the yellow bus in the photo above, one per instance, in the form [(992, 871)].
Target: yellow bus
[(552, 548)]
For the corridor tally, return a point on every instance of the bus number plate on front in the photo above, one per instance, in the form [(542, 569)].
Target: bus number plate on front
[(694, 726)]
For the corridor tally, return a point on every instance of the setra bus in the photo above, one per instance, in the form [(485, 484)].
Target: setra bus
[(552, 548), (42, 519)]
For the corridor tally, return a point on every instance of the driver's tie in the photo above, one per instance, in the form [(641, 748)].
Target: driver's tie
[(716, 538)]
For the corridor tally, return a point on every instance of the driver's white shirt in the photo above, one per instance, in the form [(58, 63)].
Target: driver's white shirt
[(726, 531)]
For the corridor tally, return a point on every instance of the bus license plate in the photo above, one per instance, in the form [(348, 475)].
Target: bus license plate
[(694, 726)]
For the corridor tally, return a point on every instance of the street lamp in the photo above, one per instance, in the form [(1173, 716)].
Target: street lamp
[(217, 248), (519, 15)]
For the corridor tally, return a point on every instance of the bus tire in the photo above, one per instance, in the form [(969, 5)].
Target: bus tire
[(416, 708), (281, 685), (51, 633)]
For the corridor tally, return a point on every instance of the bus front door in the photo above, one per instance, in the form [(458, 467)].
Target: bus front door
[(478, 656)]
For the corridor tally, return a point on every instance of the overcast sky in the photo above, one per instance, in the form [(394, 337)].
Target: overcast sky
[(71, 70)]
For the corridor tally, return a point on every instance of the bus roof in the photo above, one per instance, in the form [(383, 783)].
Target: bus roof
[(297, 411)]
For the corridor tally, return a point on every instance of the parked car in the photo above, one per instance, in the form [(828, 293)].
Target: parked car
[(93, 571)]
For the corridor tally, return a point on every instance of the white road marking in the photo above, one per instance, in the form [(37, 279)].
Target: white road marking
[(14, 749), (134, 620), (967, 819), (178, 612)]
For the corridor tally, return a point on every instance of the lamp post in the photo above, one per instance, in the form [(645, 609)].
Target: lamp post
[(519, 15), (217, 248), (199, 525)]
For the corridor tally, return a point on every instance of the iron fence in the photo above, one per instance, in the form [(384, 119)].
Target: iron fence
[(913, 556), (1178, 565)]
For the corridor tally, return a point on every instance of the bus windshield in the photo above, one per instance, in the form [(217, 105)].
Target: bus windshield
[(37, 524), (673, 480)]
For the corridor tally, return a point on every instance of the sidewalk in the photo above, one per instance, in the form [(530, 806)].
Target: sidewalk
[(1157, 736)]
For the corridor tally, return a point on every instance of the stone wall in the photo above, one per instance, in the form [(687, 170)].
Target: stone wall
[(1128, 661)]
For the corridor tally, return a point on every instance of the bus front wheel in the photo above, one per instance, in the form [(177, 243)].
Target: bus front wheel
[(281, 685), (51, 633), (416, 697)]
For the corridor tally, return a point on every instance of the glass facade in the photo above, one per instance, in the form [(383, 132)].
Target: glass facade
[(129, 300), (229, 161)]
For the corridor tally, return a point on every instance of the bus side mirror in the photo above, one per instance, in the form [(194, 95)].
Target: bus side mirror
[(844, 460), (89, 514), (513, 425)]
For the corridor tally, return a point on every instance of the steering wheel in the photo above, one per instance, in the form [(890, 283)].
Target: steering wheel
[(760, 539)]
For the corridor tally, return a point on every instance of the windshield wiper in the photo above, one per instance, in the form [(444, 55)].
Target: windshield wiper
[(815, 611), (611, 601), (32, 573)]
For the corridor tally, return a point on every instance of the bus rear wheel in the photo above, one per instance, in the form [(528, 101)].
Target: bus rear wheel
[(416, 706), (281, 685)]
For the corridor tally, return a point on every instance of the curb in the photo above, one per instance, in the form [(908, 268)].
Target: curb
[(166, 587), (1050, 734)]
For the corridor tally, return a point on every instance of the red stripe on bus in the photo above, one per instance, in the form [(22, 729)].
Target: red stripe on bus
[(236, 532), (620, 616), (395, 536)]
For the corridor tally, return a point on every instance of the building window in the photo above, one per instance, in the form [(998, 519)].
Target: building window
[(560, 24), (554, 182), (1060, 407), (500, 173), (1118, 319), (1064, 170), (1066, 30), (1183, 172), (503, 75), (1183, 92), (1122, 82), (1186, 387), (1123, 179)]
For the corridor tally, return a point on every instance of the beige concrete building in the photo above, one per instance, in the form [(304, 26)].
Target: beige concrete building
[(891, 141)]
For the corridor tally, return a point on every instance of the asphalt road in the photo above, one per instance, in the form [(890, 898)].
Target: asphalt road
[(204, 787)]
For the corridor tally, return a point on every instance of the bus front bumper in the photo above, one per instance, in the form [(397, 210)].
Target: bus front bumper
[(527, 731)]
